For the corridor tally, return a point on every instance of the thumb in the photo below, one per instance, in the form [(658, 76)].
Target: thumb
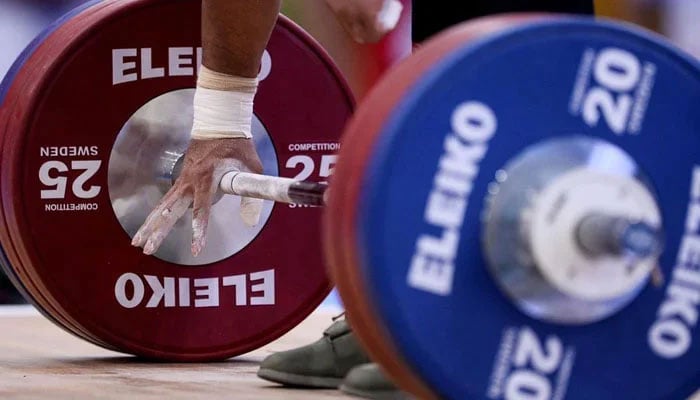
[(250, 210)]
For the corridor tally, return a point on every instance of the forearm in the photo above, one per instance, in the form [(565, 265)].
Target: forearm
[(235, 34)]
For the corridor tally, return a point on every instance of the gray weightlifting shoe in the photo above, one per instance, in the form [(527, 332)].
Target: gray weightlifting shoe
[(368, 381), (322, 364)]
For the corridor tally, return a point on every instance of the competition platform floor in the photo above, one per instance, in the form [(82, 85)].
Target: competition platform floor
[(39, 360)]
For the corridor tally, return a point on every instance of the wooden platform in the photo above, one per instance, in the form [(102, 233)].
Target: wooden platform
[(39, 360)]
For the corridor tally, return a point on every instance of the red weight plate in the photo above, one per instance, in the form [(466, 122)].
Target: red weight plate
[(14, 268), (75, 242), (19, 278), (340, 234)]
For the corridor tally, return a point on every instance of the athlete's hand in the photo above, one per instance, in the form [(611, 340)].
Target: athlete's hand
[(206, 161), (367, 21)]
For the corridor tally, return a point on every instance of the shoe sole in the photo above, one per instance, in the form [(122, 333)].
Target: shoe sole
[(302, 381), (375, 395)]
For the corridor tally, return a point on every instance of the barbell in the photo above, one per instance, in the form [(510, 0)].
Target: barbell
[(512, 211)]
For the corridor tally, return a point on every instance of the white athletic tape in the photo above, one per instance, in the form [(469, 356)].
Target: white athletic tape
[(223, 106), (390, 14)]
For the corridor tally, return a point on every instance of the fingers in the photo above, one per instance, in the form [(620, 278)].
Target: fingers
[(367, 21), (200, 218), (250, 210), (165, 222), (159, 223), (205, 163), (366, 31), (144, 232)]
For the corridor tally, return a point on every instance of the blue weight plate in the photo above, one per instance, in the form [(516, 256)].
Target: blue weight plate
[(463, 336)]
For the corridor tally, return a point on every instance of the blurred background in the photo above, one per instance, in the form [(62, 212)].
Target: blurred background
[(22, 20)]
